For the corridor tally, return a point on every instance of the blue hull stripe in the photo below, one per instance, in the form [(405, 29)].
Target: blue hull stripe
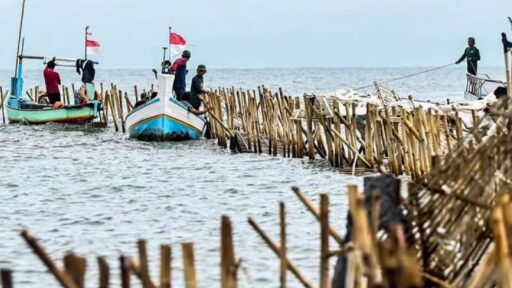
[(163, 128)]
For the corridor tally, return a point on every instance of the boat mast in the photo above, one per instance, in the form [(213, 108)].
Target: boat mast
[(19, 39)]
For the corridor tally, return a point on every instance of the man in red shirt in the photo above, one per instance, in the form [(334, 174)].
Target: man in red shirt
[(52, 81)]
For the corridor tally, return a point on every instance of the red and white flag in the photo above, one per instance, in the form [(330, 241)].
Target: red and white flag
[(177, 42), (93, 46)]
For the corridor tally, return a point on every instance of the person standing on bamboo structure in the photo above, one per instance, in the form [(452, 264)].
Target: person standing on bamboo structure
[(472, 56), (179, 68)]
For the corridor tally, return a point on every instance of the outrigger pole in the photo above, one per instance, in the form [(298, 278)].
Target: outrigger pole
[(68, 62), (19, 39)]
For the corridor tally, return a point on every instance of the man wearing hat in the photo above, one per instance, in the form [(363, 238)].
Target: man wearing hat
[(472, 54), (179, 68), (197, 87)]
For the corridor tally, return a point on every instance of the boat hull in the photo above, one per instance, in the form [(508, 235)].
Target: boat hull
[(164, 120), (71, 115)]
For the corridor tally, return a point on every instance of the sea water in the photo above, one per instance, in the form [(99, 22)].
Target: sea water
[(96, 192)]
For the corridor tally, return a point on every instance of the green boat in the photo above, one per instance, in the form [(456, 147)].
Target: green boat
[(23, 109), (32, 113)]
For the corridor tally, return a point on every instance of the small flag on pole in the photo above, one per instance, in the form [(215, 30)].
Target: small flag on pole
[(93, 46), (178, 44)]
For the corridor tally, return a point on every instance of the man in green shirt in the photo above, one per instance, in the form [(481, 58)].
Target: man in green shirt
[(197, 87), (472, 55)]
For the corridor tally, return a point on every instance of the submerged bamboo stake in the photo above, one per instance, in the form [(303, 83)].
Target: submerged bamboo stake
[(189, 268), (75, 267), (144, 267), (275, 249), (282, 248), (120, 109), (125, 272), (165, 266), (111, 99), (227, 262), (136, 90), (6, 276), (324, 241), (60, 275), (104, 272), (2, 106)]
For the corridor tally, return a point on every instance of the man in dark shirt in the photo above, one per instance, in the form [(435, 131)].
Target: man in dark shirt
[(179, 68), (52, 81), (472, 55), (143, 99), (197, 87)]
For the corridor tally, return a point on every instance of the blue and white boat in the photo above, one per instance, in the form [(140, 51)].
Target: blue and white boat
[(164, 118)]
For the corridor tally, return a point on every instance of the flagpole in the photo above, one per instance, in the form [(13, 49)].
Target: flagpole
[(85, 43), (170, 35)]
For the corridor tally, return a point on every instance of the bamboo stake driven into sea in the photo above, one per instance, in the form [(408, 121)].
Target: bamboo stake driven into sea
[(6, 277), (2, 106), (165, 266), (189, 268)]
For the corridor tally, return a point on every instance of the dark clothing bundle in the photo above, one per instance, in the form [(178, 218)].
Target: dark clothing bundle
[(87, 69)]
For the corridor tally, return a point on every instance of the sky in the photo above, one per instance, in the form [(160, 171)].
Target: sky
[(261, 33)]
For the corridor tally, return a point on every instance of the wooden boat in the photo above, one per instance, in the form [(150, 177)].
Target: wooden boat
[(164, 118), (23, 109)]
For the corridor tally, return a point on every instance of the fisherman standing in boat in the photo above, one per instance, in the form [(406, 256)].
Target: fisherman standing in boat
[(52, 81), (196, 88), (472, 56), (180, 74)]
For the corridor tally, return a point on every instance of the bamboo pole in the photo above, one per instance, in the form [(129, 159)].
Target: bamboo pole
[(217, 119), (2, 106), (111, 101), (104, 272), (129, 105), (502, 250), (120, 109), (75, 267), (324, 241), (311, 207), (136, 91), (165, 266), (282, 248), (144, 267), (227, 262), (67, 96), (189, 269), (6, 276), (125, 272), (309, 126), (275, 249), (60, 275)]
